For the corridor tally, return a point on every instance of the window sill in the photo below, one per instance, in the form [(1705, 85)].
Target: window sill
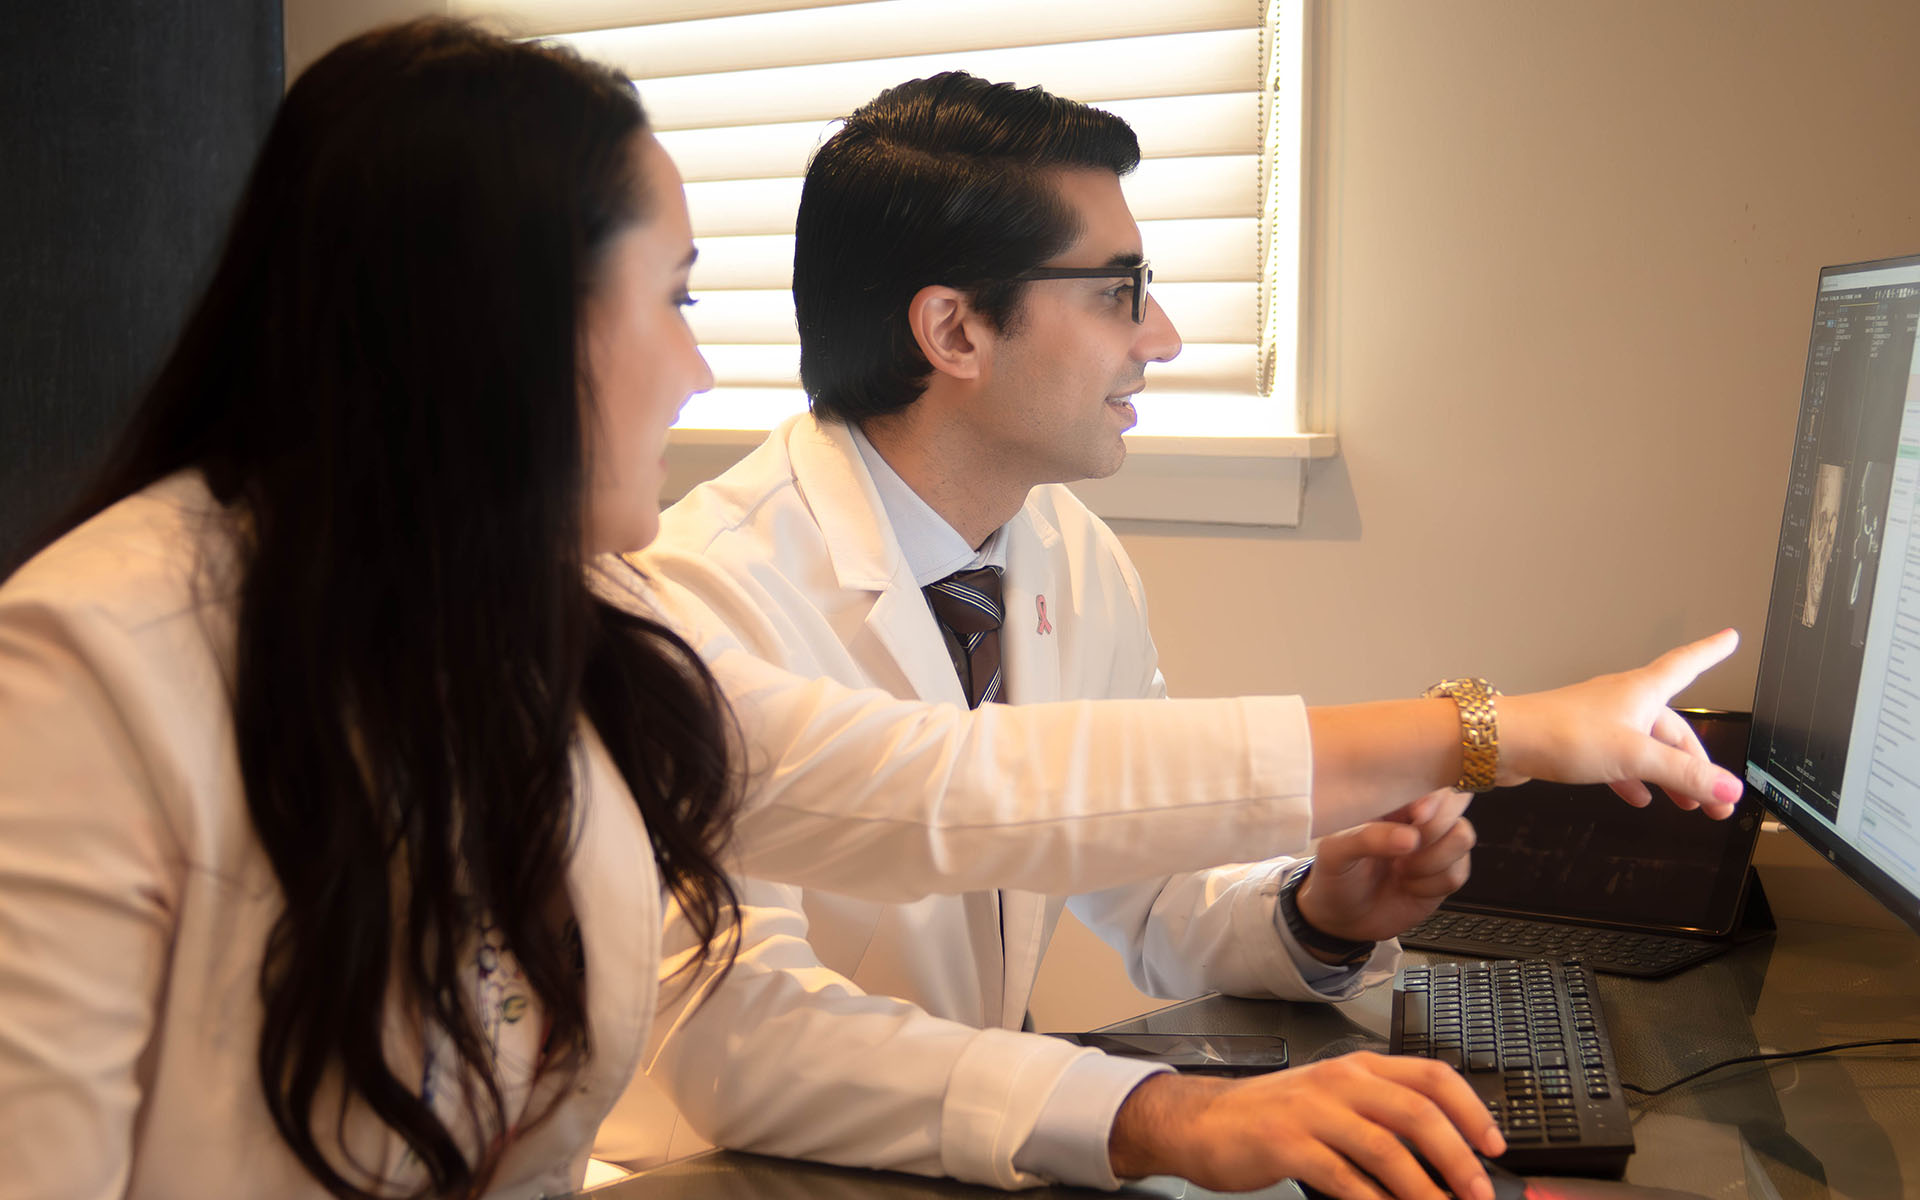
[(1258, 481)]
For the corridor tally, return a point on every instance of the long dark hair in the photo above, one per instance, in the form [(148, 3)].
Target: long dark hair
[(937, 180), (383, 386)]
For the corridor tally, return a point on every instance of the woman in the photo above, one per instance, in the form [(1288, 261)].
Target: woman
[(335, 809)]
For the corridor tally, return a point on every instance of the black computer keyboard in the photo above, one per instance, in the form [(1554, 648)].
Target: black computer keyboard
[(1528, 1035), (1610, 951)]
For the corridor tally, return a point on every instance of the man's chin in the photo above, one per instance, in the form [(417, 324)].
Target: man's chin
[(1111, 466)]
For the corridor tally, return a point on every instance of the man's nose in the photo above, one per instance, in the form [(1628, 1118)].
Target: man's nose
[(1159, 341)]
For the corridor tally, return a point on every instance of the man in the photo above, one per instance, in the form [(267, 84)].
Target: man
[(974, 324)]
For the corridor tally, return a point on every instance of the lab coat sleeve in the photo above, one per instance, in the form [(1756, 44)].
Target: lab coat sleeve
[(90, 874), (1213, 931), (858, 792), (782, 1056), (1202, 931)]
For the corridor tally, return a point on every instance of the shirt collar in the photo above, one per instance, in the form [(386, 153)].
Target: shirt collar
[(933, 548)]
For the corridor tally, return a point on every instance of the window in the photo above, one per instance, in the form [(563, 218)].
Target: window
[(741, 91)]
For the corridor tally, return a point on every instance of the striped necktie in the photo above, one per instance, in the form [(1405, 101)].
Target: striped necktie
[(967, 606)]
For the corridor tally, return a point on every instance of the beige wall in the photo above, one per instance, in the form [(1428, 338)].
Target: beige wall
[(1563, 260), (1566, 257)]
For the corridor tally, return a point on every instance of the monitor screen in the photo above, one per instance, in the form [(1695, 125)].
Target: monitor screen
[(1835, 747)]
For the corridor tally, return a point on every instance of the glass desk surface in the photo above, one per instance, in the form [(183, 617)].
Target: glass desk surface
[(1843, 1125), (1823, 1128)]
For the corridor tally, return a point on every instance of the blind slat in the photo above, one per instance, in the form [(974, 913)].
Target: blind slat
[(1224, 185), (764, 317), (731, 207), (1211, 312), (1202, 312), (744, 151), (1173, 127), (891, 29), (1206, 367), (1220, 249), (1188, 126), (530, 18), (1180, 64), (753, 364), (1201, 367)]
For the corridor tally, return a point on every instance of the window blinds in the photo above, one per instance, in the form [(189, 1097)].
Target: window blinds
[(741, 91)]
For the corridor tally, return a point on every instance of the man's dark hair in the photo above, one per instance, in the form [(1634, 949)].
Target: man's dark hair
[(937, 181)]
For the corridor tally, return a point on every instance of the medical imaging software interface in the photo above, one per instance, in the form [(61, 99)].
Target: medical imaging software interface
[(1836, 729)]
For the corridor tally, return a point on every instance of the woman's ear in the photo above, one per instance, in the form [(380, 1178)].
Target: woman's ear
[(947, 329)]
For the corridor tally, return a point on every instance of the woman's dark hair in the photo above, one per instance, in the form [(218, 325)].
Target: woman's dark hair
[(937, 181), (383, 385)]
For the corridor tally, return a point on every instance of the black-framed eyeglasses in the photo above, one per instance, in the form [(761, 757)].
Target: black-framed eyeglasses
[(1140, 273)]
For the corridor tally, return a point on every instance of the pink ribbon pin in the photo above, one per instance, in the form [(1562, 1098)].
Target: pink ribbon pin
[(1040, 602)]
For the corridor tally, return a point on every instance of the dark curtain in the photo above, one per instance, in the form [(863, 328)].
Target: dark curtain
[(126, 130)]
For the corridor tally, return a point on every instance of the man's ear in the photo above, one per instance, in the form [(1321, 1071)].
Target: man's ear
[(948, 331)]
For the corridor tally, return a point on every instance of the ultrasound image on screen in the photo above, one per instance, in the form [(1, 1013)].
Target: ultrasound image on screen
[(1867, 520)]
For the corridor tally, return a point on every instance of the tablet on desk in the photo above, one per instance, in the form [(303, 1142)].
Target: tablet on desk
[(1566, 871)]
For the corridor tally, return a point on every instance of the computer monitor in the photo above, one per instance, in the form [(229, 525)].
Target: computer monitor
[(1835, 747)]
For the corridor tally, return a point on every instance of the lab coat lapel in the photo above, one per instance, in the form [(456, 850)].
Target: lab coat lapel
[(1028, 917), (1032, 660), (866, 556), (616, 896), (1032, 657), (903, 624)]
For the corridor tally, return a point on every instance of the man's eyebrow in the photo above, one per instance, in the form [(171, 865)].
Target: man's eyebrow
[(1126, 258)]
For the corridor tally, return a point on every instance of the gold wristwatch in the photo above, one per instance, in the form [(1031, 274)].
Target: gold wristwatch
[(1479, 730)]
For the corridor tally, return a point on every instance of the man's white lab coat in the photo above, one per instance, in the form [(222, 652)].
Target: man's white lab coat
[(791, 551)]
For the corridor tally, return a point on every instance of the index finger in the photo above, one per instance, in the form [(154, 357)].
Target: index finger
[(1683, 664)]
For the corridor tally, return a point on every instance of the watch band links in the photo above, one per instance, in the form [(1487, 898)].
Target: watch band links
[(1479, 730)]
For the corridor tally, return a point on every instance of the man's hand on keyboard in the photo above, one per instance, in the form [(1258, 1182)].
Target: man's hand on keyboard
[(1324, 1124), (1377, 880)]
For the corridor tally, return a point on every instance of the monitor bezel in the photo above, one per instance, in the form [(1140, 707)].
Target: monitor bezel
[(1883, 887)]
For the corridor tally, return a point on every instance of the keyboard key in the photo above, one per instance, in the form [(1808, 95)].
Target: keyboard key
[(1413, 1015)]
